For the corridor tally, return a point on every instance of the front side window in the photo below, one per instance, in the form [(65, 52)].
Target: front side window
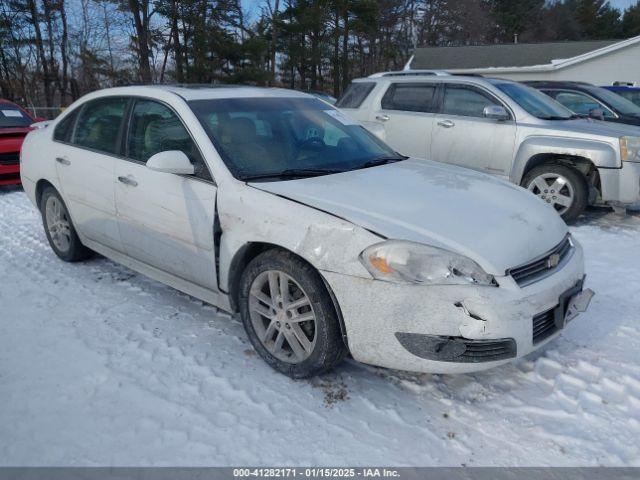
[(155, 128), (99, 125), (409, 97), (355, 94), (618, 103), (276, 138), (466, 102), (580, 103), (12, 116)]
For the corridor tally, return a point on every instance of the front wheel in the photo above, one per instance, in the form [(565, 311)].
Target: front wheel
[(289, 316), (563, 188)]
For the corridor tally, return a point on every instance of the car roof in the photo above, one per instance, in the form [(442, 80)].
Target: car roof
[(204, 92), (414, 78), (556, 83)]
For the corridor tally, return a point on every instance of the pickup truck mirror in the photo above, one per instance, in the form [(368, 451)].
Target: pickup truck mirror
[(171, 161), (496, 112), (596, 113)]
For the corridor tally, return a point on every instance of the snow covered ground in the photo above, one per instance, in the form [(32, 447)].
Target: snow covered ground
[(101, 366)]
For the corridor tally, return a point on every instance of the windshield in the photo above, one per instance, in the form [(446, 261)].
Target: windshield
[(534, 102), (615, 101), (631, 95), (11, 117), (287, 137)]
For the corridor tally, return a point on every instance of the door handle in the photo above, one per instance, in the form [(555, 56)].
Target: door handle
[(446, 123), (382, 118), (128, 181), (63, 161)]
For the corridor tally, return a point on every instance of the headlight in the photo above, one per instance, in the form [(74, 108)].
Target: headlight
[(630, 149), (407, 262)]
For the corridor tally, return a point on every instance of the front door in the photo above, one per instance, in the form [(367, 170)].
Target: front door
[(407, 116), (463, 136), (166, 220), (85, 164)]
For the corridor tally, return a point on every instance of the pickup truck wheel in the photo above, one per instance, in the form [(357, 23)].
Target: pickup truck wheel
[(562, 188), (289, 316)]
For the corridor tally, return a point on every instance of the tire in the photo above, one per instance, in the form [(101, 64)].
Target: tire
[(575, 185), (324, 345), (62, 235)]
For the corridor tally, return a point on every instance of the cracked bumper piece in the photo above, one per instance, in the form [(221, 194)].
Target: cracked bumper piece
[(444, 328)]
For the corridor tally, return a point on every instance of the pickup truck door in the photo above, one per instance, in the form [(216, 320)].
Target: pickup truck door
[(406, 112), (166, 220), (463, 136)]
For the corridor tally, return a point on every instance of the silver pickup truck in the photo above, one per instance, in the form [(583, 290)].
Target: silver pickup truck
[(506, 129)]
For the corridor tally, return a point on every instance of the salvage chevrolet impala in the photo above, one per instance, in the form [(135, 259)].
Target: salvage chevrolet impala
[(276, 206)]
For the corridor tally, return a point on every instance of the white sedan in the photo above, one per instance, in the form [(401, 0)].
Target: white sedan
[(274, 205)]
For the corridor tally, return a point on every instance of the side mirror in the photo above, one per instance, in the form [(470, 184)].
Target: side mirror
[(596, 113), (171, 161), (496, 112)]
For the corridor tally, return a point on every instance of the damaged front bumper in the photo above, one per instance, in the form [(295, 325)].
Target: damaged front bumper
[(456, 328)]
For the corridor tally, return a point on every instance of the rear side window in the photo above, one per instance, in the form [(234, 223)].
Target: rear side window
[(355, 94), (100, 123), (466, 102), (64, 129), (410, 97)]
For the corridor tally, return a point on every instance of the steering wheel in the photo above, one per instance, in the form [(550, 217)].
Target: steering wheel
[(313, 143)]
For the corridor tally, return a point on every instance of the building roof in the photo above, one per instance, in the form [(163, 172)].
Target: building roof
[(505, 55)]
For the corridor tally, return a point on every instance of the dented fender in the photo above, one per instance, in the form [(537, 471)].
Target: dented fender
[(248, 215)]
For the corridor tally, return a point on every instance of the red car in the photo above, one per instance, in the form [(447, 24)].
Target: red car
[(15, 123)]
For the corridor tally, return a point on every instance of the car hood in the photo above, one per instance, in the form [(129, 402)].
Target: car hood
[(497, 224), (594, 127)]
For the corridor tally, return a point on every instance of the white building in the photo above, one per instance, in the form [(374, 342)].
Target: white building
[(601, 62)]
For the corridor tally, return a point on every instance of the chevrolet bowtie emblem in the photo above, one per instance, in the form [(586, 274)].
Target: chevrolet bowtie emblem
[(553, 260)]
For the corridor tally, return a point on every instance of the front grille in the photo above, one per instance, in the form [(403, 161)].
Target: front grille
[(12, 158), (457, 349), (544, 325), (543, 266), (488, 350)]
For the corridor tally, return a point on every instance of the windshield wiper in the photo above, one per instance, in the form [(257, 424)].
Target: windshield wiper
[(294, 173), (558, 117), (381, 161)]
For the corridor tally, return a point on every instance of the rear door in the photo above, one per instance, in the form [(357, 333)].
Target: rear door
[(166, 220), (85, 151), (463, 136), (407, 114)]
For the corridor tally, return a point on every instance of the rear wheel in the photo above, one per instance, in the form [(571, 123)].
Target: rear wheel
[(289, 316), (59, 228), (563, 188)]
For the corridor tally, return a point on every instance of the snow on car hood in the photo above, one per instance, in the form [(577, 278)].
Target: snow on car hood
[(497, 224)]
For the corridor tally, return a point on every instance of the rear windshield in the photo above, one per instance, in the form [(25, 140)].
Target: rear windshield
[(355, 94), (12, 116)]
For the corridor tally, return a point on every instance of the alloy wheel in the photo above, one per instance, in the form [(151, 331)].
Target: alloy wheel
[(282, 316), (554, 189), (58, 224)]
